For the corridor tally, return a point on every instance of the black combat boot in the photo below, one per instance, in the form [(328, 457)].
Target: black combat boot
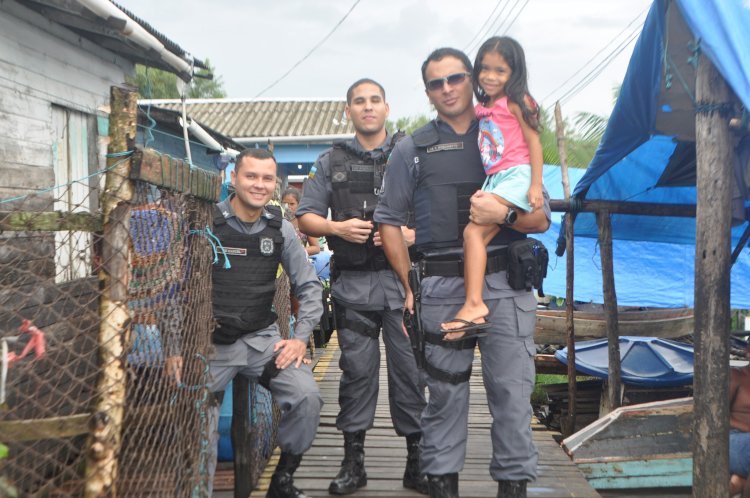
[(413, 479), (511, 489), (352, 475), (282, 482), (443, 486)]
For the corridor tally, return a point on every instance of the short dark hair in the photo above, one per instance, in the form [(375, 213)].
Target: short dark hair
[(440, 53), (294, 192), (362, 81), (255, 154)]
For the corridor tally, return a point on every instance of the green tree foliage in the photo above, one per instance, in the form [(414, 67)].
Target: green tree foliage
[(408, 124), (582, 136), (157, 84)]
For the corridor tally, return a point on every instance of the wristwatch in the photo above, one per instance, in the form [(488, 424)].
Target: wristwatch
[(511, 217)]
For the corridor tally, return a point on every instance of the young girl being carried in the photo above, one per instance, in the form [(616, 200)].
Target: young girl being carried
[(512, 157)]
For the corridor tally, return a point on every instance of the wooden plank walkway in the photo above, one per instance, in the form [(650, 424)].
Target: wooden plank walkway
[(385, 453)]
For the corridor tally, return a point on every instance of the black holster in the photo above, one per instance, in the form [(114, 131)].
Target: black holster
[(413, 322), (367, 323), (527, 264)]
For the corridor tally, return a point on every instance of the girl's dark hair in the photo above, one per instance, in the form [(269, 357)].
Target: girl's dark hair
[(517, 86), (294, 192)]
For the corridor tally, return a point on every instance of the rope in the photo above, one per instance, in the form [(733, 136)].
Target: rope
[(683, 82), (78, 180), (695, 47), (201, 407), (575, 204), (214, 241), (724, 109)]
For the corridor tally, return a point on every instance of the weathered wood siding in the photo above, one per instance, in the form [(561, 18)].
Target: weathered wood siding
[(43, 65)]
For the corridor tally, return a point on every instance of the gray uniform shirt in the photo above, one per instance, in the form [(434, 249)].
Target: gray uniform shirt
[(302, 276), (396, 201), (362, 290)]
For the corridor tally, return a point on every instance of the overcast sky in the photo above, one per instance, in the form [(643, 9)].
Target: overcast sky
[(253, 43)]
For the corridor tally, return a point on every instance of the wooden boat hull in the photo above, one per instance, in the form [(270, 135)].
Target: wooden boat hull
[(672, 472), (668, 323), (637, 446)]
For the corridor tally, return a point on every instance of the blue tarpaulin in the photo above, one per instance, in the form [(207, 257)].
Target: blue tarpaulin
[(647, 273), (647, 154)]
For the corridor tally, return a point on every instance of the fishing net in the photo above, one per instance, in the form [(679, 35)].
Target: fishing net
[(88, 400)]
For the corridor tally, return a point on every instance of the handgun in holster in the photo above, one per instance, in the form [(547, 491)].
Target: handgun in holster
[(413, 322)]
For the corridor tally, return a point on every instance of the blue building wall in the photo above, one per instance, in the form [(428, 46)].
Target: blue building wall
[(168, 143), (293, 159)]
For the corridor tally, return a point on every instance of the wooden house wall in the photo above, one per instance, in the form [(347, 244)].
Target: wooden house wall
[(44, 66), (54, 96)]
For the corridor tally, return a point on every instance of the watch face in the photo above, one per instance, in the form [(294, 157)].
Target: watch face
[(511, 217)]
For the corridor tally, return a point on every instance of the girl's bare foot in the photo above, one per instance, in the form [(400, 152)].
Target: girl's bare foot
[(475, 314)]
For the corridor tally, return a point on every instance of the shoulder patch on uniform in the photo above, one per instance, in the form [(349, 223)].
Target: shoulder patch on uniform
[(311, 174)]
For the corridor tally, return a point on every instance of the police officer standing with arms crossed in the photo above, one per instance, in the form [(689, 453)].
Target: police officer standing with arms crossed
[(255, 239), (365, 290), (436, 172)]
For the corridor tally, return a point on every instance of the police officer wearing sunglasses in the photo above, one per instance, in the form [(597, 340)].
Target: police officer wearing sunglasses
[(436, 172), (366, 292)]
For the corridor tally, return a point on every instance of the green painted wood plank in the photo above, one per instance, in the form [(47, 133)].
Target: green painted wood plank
[(656, 473)]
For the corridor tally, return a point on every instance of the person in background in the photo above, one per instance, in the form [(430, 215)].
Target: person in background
[(739, 429), (291, 198)]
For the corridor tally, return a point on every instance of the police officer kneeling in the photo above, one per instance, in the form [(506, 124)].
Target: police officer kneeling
[(255, 239)]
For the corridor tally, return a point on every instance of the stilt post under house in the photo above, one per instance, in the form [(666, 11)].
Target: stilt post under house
[(712, 266), (612, 399)]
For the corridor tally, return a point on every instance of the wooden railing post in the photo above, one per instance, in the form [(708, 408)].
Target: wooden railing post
[(107, 418), (610, 311), (569, 425)]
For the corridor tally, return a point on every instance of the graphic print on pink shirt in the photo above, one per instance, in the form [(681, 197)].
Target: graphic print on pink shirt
[(491, 143)]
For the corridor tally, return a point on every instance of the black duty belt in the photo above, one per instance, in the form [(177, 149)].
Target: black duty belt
[(455, 268), (374, 264)]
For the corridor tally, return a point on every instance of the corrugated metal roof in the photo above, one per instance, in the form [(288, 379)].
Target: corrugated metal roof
[(243, 118), (106, 33)]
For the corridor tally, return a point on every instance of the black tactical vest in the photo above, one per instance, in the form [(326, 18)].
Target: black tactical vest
[(243, 295), (356, 178), (449, 172)]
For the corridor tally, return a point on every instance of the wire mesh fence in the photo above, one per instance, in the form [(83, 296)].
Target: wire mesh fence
[(95, 305)]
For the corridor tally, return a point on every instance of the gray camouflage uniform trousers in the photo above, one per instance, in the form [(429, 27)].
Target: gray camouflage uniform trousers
[(360, 354), (508, 373)]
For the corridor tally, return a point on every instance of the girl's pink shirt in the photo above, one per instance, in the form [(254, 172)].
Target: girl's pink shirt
[(514, 150)]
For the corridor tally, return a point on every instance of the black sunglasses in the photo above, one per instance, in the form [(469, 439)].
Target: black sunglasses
[(451, 79)]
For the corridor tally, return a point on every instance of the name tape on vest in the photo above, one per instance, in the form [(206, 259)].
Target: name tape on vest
[(442, 147), (363, 168), (235, 251)]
